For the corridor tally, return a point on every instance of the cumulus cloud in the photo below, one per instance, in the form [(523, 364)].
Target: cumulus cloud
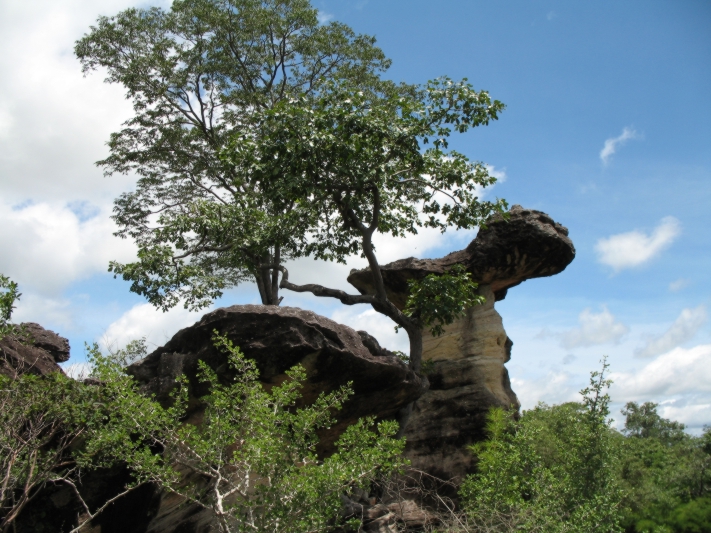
[(45, 310), (595, 328), (611, 144), (681, 371), (692, 413), (553, 388), (627, 250), (144, 320), (54, 122), (378, 325), (682, 330), (48, 246)]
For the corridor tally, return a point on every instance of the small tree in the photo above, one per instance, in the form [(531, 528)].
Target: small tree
[(197, 74), (554, 470), (53, 428), (355, 160)]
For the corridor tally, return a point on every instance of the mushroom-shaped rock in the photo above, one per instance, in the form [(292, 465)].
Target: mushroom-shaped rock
[(527, 244), (32, 350), (277, 338), (465, 365)]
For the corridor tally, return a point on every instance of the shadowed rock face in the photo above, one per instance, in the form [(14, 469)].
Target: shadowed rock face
[(35, 351), (277, 338), (528, 245), (466, 364)]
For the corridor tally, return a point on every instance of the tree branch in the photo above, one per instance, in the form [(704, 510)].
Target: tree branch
[(320, 290)]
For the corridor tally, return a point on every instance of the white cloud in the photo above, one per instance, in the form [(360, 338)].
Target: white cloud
[(553, 388), (682, 330), (627, 250), (54, 122), (46, 246), (611, 144), (551, 15), (144, 320), (595, 328), (678, 372), (689, 413), (44, 310), (677, 285), (324, 17), (378, 325)]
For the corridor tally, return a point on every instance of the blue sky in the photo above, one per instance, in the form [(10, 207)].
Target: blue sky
[(576, 77)]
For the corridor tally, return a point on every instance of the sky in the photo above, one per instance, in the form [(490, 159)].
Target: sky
[(607, 129)]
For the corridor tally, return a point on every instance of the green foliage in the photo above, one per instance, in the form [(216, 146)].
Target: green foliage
[(8, 296), (666, 473), (553, 470), (52, 428), (355, 159), (135, 350), (197, 74), (251, 459), (440, 300), (642, 421), (255, 452)]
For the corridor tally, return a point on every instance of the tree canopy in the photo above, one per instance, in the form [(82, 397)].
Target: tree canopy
[(197, 74), (364, 162), (260, 135)]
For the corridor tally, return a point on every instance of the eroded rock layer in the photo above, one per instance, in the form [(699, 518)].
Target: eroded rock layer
[(278, 338), (33, 350), (465, 365)]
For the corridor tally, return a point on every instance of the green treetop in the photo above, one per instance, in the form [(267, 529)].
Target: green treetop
[(198, 74), (366, 162)]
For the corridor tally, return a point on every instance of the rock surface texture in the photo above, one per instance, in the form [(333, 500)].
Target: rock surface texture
[(278, 338), (35, 350), (466, 364)]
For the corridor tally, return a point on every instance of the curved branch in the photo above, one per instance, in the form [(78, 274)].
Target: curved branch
[(320, 290)]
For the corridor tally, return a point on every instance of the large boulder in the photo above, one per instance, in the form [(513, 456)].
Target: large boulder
[(33, 350), (465, 365), (277, 338)]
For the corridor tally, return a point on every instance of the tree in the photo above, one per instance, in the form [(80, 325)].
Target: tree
[(666, 473), (197, 74), (554, 470), (642, 421), (251, 460), (8, 296), (355, 160)]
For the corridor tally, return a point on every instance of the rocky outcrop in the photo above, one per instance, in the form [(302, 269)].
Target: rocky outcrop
[(527, 244), (465, 365), (277, 338), (32, 350)]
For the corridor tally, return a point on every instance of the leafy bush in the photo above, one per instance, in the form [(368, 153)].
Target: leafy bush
[(553, 470)]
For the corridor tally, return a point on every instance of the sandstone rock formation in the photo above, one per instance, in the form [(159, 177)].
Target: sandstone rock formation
[(278, 338), (34, 350), (466, 364)]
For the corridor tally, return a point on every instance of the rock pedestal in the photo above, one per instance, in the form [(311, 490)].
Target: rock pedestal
[(465, 365)]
